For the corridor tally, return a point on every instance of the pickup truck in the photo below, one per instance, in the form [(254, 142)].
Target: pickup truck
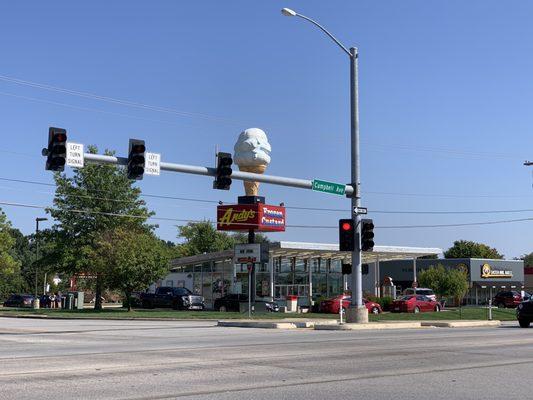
[(178, 298)]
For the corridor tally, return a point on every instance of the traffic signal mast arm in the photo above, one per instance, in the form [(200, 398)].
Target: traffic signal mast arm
[(207, 171)]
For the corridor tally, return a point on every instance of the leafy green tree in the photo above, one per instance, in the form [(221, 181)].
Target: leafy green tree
[(133, 260), (10, 278), (469, 249), (241, 237), (452, 282), (434, 278), (528, 260), (457, 283), (87, 205), (202, 237)]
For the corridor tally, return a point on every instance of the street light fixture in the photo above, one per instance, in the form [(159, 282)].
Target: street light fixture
[(357, 311)]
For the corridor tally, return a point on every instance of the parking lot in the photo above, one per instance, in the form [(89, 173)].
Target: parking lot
[(56, 359)]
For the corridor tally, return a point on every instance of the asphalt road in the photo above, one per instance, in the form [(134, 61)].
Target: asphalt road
[(80, 359)]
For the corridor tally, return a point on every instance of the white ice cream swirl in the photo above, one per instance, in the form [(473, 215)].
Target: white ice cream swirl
[(252, 148)]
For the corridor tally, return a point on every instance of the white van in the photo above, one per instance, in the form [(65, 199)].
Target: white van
[(421, 291)]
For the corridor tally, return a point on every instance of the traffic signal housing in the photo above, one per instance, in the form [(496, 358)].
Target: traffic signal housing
[(346, 235), (56, 153), (136, 159), (346, 269), (224, 171), (367, 235)]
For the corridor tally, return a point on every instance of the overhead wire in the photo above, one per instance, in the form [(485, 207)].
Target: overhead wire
[(117, 101), (6, 203), (167, 197)]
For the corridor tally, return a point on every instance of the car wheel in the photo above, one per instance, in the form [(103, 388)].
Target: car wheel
[(524, 323), (416, 310), (437, 308), (374, 310), (222, 309), (501, 305)]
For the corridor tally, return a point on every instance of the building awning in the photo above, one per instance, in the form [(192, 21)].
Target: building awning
[(328, 250), (319, 250)]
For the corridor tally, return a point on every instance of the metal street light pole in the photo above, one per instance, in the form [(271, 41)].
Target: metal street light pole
[(37, 220), (357, 312)]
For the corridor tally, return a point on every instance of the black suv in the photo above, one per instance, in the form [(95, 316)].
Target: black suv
[(524, 313)]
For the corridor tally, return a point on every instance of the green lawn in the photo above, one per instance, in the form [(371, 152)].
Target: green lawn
[(451, 314)]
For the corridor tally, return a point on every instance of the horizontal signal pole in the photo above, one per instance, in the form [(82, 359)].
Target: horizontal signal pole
[(207, 171), (528, 163)]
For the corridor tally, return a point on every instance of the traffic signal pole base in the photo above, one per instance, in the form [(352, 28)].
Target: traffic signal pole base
[(357, 315)]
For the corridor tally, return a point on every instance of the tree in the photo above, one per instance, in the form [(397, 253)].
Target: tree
[(528, 260), (241, 237), (468, 249), (10, 278), (445, 282), (132, 258), (87, 205), (202, 237)]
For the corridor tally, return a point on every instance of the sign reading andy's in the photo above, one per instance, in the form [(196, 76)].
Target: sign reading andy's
[(243, 217)]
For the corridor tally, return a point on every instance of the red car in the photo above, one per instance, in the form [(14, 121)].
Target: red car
[(415, 304), (510, 298), (331, 306)]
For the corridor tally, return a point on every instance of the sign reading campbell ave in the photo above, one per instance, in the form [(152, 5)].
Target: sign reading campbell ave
[(243, 217), (329, 187)]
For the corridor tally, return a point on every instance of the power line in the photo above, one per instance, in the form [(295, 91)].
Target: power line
[(121, 102), (55, 103), (5, 203), (287, 207)]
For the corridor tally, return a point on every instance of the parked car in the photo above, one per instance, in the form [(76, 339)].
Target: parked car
[(421, 291), (19, 300), (524, 313), (415, 304), (178, 298), (331, 306), (231, 302), (507, 298)]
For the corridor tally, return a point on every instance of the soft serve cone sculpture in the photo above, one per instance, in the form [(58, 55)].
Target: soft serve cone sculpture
[(252, 154)]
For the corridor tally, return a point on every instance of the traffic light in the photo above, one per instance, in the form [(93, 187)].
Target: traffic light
[(136, 159), (56, 153), (367, 235), (346, 235), (223, 176), (346, 269)]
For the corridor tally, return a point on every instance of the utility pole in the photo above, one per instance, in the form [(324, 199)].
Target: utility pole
[(357, 311), (37, 220)]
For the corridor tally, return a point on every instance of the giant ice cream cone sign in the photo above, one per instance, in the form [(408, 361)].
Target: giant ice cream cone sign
[(252, 154)]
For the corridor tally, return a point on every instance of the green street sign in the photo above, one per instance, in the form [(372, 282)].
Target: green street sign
[(329, 187)]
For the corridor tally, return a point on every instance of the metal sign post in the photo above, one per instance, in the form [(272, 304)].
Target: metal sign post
[(250, 269)]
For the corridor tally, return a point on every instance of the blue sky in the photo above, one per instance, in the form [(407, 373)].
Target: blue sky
[(445, 93)]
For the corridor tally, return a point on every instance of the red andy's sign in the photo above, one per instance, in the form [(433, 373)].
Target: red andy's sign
[(243, 217)]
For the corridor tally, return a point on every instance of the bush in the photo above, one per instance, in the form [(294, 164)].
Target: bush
[(384, 302)]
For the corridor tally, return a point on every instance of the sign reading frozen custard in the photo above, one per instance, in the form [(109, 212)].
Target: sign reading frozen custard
[(489, 272), (243, 217)]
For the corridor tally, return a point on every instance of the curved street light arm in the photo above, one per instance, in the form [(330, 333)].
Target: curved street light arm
[(326, 32)]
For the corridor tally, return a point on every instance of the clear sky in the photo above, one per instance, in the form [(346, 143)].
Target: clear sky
[(445, 90)]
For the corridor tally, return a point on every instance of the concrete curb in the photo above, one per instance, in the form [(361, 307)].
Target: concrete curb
[(462, 324), (283, 324), (369, 326)]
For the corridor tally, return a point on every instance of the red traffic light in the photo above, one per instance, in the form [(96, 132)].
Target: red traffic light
[(346, 226), (138, 148), (60, 137)]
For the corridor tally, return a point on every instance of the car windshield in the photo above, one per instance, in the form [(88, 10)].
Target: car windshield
[(408, 297), (182, 291)]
